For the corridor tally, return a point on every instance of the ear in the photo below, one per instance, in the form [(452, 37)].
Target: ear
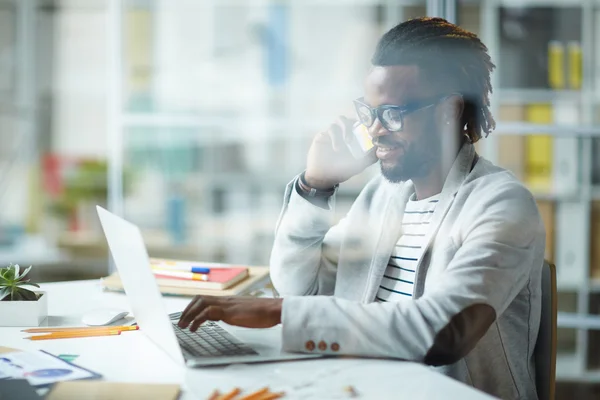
[(451, 110)]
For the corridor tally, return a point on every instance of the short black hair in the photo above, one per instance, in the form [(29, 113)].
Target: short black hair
[(446, 53)]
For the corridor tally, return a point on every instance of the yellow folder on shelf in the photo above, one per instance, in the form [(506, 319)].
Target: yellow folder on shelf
[(539, 150), (511, 148), (547, 212), (556, 64), (575, 65)]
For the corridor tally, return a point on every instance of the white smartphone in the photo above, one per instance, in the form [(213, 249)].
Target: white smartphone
[(361, 142)]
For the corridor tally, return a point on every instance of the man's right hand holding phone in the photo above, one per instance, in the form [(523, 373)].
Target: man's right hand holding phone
[(330, 161)]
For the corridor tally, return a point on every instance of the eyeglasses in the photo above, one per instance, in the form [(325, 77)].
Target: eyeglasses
[(392, 116)]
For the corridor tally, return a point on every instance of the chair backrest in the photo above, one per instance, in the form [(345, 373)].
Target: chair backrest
[(545, 347)]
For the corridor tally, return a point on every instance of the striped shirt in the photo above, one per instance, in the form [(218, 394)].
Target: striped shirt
[(399, 277)]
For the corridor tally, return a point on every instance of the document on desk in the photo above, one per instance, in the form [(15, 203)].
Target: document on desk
[(40, 368)]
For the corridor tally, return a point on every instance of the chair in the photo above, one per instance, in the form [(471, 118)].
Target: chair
[(545, 347)]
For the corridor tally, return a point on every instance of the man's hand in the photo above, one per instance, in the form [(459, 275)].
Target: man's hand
[(248, 312), (329, 159)]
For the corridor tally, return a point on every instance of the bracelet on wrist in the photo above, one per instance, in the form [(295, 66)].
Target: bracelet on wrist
[(312, 192)]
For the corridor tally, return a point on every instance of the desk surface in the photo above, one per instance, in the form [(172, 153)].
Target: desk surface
[(131, 357)]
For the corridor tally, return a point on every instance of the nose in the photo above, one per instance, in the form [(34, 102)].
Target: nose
[(377, 130)]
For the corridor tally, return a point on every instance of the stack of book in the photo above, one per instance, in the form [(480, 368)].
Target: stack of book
[(178, 277)]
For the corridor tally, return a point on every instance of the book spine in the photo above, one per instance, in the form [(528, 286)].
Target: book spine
[(511, 148), (556, 64), (539, 150), (565, 155), (547, 212), (575, 65), (595, 242), (572, 245), (186, 276)]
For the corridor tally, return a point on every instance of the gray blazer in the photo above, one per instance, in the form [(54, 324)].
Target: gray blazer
[(476, 303)]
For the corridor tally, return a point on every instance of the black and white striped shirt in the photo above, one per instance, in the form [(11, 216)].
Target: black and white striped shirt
[(399, 277)]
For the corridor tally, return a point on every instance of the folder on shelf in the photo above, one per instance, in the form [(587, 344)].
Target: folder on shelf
[(566, 152), (575, 65), (595, 241), (257, 278), (511, 148), (539, 150), (556, 64), (546, 209)]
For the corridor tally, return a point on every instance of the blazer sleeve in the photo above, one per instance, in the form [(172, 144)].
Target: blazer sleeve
[(306, 247), (503, 243)]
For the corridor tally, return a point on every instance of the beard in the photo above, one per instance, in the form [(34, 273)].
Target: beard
[(418, 159), (411, 165)]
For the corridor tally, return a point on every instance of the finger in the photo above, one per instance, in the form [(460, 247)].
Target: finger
[(336, 134), (347, 125), (185, 315), (196, 309), (210, 313), (190, 304), (322, 139)]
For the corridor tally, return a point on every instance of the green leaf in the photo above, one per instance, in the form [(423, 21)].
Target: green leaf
[(24, 274), (20, 294), (10, 273), (27, 283), (12, 280)]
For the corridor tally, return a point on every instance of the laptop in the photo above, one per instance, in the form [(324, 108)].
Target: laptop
[(212, 343)]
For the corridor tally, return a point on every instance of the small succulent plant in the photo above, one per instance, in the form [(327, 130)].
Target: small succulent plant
[(12, 282)]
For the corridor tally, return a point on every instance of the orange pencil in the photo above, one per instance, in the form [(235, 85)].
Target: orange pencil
[(215, 395), (230, 395), (83, 329), (271, 396), (66, 335), (256, 395)]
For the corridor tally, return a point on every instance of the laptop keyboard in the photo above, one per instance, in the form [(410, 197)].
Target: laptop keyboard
[(210, 340)]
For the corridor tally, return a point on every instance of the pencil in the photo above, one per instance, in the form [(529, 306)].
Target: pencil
[(215, 395), (83, 329), (270, 396), (255, 395), (230, 395), (65, 335)]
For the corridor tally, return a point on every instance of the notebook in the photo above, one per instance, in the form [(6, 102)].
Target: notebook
[(218, 279), (102, 390), (17, 389), (257, 278)]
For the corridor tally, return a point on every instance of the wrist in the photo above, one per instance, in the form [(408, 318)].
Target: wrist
[(277, 310), (316, 183)]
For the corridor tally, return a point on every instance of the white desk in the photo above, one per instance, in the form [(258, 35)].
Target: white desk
[(131, 357)]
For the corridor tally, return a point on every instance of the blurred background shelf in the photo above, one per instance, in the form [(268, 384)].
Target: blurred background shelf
[(527, 96)]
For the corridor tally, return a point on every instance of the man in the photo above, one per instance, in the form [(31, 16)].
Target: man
[(439, 259)]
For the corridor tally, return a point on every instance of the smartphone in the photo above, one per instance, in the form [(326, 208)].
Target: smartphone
[(360, 143)]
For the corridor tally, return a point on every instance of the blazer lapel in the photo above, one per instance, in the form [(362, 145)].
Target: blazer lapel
[(392, 222), (457, 175)]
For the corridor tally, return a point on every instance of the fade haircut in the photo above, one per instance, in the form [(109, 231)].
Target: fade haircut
[(447, 55)]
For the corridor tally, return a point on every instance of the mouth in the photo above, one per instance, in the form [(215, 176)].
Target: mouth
[(389, 152)]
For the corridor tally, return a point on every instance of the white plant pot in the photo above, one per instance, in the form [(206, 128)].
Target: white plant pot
[(24, 313)]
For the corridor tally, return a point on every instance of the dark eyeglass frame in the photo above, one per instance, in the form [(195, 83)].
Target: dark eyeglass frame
[(404, 110)]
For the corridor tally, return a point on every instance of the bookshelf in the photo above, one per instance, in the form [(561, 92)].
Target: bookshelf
[(569, 190), (230, 157)]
